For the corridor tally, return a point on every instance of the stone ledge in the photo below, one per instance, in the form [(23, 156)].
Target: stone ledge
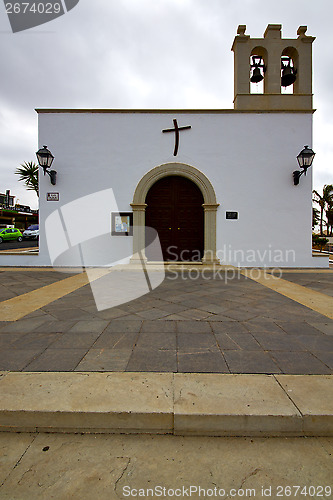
[(167, 403)]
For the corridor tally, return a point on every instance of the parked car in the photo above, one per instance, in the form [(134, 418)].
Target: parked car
[(9, 234), (32, 233)]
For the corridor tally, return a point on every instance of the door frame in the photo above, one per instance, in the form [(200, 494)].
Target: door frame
[(210, 206)]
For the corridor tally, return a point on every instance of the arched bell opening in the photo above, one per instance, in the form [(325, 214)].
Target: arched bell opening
[(258, 66), (289, 68)]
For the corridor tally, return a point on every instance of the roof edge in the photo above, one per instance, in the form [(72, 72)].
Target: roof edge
[(156, 111)]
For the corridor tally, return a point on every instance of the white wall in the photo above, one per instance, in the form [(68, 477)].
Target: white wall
[(248, 157)]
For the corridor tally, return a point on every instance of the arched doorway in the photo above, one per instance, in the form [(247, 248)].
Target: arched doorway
[(175, 210), (139, 207)]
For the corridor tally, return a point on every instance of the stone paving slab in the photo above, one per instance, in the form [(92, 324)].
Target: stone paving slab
[(32, 298), (314, 399), (320, 282), (317, 301), (233, 405), (181, 404), (92, 402)]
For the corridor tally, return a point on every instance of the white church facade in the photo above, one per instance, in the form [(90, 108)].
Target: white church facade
[(216, 185)]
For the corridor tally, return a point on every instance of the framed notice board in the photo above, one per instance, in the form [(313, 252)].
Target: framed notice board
[(121, 223)]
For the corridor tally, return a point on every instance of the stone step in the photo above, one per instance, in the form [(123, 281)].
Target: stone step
[(167, 403)]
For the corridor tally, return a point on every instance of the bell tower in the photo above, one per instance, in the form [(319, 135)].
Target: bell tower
[(284, 66)]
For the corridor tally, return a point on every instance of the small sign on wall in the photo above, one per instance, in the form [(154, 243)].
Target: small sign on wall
[(52, 196), (122, 223), (231, 215)]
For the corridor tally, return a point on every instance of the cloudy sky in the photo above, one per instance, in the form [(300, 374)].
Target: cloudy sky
[(146, 54)]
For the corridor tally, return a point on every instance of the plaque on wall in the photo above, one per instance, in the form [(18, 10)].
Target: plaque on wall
[(122, 224), (231, 215), (52, 196)]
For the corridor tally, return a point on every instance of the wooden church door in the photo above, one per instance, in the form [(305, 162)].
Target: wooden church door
[(174, 209)]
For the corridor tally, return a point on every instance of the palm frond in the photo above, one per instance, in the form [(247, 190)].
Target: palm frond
[(28, 173)]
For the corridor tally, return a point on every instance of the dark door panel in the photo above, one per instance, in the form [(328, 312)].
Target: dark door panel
[(174, 209)]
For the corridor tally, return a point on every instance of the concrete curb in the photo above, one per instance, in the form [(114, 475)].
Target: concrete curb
[(167, 403)]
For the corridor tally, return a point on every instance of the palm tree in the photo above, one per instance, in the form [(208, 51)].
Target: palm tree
[(329, 216), (28, 173), (323, 201), (315, 217)]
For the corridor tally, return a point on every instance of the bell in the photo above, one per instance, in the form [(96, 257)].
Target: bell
[(256, 76), (288, 76)]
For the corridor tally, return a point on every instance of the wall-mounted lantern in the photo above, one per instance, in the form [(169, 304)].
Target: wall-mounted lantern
[(305, 159), (45, 159)]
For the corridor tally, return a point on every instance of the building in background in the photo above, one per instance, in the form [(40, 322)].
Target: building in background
[(15, 215)]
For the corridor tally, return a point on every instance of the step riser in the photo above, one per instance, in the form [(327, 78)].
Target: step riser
[(167, 403)]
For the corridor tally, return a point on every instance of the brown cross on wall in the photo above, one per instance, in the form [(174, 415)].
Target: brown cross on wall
[(176, 129)]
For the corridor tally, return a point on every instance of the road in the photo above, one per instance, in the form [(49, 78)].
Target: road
[(13, 245)]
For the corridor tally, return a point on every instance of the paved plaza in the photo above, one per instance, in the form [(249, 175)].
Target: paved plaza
[(193, 322), (254, 357)]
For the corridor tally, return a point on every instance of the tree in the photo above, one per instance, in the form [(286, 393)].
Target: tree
[(329, 216), (315, 217), (317, 241), (28, 173), (323, 201)]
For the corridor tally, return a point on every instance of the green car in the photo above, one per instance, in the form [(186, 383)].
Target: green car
[(9, 234)]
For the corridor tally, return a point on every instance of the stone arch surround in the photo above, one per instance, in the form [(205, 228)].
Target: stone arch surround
[(210, 206)]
